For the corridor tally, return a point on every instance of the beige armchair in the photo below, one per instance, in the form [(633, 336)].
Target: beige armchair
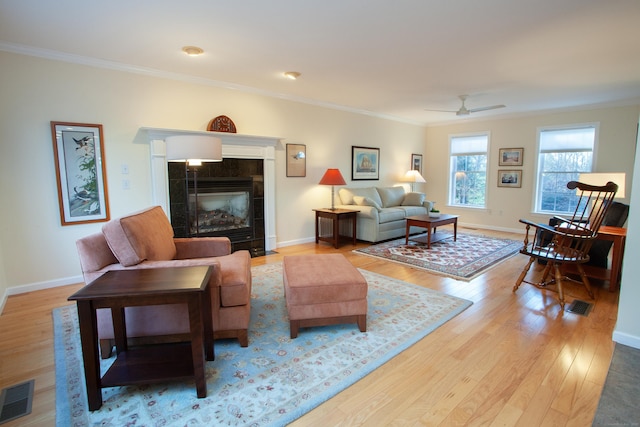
[(145, 240)]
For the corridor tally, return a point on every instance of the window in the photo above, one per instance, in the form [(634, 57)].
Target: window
[(468, 170), (563, 153)]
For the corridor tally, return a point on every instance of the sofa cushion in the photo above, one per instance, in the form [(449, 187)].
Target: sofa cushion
[(391, 196), (366, 201), (347, 194), (144, 235), (391, 214), (413, 199)]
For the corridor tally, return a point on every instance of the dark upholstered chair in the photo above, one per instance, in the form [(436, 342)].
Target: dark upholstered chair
[(616, 217)]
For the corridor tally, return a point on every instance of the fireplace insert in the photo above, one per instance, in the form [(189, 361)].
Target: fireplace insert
[(221, 207)]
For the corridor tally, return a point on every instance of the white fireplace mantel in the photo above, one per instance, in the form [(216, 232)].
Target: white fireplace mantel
[(235, 146)]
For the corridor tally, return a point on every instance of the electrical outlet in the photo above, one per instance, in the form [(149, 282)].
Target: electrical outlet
[(126, 185), (124, 169)]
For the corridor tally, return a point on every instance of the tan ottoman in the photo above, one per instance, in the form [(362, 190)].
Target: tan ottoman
[(323, 290)]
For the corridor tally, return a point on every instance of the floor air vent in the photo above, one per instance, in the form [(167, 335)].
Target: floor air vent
[(580, 307), (15, 401)]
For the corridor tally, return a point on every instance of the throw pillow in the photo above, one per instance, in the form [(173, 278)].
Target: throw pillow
[(391, 196), (413, 199), (365, 201)]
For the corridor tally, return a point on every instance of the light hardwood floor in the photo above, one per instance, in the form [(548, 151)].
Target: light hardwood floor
[(508, 360)]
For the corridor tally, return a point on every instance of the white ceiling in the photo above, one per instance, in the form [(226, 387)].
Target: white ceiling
[(393, 58)]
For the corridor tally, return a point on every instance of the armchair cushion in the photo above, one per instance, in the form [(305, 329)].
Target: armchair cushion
[(144, 235)]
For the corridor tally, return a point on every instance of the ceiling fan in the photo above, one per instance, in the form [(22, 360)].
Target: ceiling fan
[(464, 111)]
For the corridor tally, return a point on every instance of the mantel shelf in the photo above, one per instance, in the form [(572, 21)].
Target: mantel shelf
[(227, 137)]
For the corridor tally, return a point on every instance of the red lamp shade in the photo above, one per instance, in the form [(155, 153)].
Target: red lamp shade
[(332, 177)]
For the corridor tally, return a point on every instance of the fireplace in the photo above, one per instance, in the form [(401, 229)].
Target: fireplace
[(221, 207), (228, 201), (235, 147)]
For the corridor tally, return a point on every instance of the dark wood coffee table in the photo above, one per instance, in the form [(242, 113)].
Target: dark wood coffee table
[(126, 288), (430, 223)]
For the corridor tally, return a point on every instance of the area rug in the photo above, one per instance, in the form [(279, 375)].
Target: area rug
[(276, 379), (465, 259)]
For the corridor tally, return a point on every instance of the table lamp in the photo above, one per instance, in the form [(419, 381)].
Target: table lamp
[(332, 177)]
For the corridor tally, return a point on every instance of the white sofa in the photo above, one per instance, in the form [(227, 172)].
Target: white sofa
[(383, 210)]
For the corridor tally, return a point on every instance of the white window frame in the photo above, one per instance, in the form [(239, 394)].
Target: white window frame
[(536, 202), (452, 172)]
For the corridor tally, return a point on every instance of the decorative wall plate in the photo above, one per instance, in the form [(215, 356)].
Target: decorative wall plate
[(222, 124)]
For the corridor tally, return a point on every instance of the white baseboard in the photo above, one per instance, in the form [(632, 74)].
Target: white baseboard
[(626, 339), (21, 289)]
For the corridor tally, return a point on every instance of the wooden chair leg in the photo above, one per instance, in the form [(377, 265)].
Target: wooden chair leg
[(585, 280), (558, 274), (523, 274), (545, 272)]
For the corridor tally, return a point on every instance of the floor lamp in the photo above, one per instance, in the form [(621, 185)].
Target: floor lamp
[(413, 176), (193, 150)]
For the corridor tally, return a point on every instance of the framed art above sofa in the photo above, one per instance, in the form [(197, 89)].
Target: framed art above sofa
[(365, 163)]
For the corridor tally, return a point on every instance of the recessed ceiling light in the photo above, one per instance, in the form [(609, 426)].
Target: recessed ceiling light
[(292, 74), (192, 50)]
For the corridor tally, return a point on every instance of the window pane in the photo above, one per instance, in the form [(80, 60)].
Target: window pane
[(469, 170), (564, 153)]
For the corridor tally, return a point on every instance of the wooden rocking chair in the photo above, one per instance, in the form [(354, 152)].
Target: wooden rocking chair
[(571, 238)]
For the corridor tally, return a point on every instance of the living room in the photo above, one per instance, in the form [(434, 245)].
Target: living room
[(40, 87)]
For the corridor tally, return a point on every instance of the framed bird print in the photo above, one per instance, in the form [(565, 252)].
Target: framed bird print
[(78, 151)]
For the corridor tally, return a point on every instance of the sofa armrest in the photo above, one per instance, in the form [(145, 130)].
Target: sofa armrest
[(201, 247), (428, 204)]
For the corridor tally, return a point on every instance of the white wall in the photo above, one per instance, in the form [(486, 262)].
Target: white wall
[(505, 206), (37, 251), (627, 330)]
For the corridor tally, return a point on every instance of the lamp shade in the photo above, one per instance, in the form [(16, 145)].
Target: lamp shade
[(194, 148), (413, 176), (332, 177), (603, 178)]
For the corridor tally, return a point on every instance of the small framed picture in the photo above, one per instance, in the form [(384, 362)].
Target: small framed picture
[(296, 160), (416, 163), (365, 163), (510, 157), (80, 172), (510, 178)]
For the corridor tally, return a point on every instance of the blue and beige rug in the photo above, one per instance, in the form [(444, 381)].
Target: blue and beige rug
[(273, 381), (465, 259)]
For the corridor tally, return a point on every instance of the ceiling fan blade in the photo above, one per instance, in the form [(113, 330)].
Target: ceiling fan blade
[(492, 107), (441, 111)]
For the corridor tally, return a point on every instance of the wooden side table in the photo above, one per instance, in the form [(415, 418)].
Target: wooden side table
[(618, 236), (125, 288), (336, 215)]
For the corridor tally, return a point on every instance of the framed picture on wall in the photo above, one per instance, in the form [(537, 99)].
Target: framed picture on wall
[(296, 160), (365, 163), (510, 157), (416, 163), (80, 172), (510, 178)]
